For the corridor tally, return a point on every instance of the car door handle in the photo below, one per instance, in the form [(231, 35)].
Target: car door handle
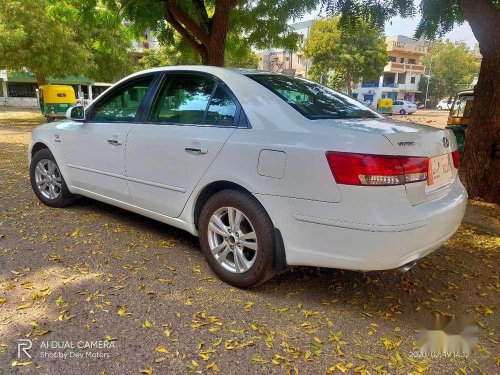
[(114, 142), (196, 150)]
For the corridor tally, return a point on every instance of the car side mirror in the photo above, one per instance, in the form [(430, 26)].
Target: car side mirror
[(76, 113)]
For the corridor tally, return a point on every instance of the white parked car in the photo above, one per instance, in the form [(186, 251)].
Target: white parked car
[(444, 104), (403, 107), (269, 171)]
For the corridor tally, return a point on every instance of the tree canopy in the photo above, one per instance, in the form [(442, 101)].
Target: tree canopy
[(55, 38), (345, 58), (453, 68), (205, 24)]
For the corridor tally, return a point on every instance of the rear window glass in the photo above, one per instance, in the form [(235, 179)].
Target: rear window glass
[(313, 100)]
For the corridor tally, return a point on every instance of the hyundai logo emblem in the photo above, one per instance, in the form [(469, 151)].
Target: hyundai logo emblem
[(446, 142)]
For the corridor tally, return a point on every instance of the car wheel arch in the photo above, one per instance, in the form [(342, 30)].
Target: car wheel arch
[(37, 147), (211, 189), (214, 187)]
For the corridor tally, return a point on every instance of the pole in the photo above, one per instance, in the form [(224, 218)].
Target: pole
[(428, 80)]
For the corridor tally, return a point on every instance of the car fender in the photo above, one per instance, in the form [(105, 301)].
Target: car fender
[(47, 134)]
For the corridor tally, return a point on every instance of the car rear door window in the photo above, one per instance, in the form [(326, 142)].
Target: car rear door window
[(183, 100), (222, 109), (122, 106)]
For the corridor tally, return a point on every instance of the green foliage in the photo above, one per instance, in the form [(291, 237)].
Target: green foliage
[(177, 52), (437, 16), (55, 38), (453, 69), (259, 23), (345, 56)]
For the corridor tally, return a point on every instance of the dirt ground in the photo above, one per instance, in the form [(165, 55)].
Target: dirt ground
[(142, 296), (431, 117)]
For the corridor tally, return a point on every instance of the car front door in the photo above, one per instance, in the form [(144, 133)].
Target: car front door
[(94, 149), (167, 154)]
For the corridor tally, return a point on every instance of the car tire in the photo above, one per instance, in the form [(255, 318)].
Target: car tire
[(439, 108), (402, 112), (230, 259), (47, 181)]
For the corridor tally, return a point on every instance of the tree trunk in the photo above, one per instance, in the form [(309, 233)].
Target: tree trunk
[(348, 84), (208, 36), (480, 164), (40, 79)]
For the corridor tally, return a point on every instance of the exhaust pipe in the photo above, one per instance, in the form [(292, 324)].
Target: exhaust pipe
[(406, 267)]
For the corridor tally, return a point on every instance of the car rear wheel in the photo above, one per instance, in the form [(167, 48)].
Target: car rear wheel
[(439, 108), (237, 238), (47, 181), (402, 112)]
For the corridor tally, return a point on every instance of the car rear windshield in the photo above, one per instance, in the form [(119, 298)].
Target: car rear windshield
[(313, 100)]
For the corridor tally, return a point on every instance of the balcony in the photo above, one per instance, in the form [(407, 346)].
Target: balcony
[(389, 84), (402, 67), (369, 84), (393, 46)]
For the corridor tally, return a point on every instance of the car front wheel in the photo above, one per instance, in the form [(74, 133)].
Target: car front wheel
[(439, 108), (47, 181), (237, 238), (402, 112)]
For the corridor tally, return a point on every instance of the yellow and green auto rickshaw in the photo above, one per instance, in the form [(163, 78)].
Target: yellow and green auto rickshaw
[(54, 100), (384, 106), (459, 117)]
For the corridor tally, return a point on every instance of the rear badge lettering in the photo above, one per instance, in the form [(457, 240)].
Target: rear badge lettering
[(406, 143), (446, 142)]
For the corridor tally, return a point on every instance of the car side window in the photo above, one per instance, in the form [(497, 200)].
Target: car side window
[(183, 100), (122, 106), (221, 110)]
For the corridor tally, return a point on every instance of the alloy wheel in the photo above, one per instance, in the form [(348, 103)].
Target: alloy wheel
[(232, 239), (48, 179)]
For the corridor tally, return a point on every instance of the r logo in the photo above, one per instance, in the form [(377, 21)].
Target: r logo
[(23, 345)]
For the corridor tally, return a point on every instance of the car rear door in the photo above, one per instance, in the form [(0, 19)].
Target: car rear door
[(186, 126), (94, 150)]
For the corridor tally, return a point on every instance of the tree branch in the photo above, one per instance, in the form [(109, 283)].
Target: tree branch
[(189, 24), (186, 35), (202, 11)]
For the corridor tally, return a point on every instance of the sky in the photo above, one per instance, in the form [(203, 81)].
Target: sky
[(407, 26)]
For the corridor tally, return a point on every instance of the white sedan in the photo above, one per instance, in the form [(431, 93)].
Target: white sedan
[(403, 107), (269, 171), (444, 104)]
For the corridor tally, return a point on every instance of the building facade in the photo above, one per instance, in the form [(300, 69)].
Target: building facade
[(285, 61), (402, 73)]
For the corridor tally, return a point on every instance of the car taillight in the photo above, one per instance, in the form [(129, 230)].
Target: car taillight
[(376, 170), (455, 156)]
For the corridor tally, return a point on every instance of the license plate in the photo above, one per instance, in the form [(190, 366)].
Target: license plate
[(439, 171)]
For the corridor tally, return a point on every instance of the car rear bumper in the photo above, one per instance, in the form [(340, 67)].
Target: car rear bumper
[(359, 235)]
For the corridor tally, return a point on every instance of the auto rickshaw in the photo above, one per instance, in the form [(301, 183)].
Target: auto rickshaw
[(54, 100), (459, 117), (384, 106)]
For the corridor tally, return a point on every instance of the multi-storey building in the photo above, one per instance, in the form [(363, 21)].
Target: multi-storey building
[(401, 74), (285, 61)]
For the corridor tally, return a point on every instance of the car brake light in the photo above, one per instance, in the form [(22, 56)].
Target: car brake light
[(376, 170), (456, 158)]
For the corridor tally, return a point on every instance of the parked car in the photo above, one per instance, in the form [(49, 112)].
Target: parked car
[(403, 107), (444, 104), (268, 170)]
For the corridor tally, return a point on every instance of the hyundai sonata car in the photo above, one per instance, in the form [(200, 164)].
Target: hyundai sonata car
[(269, 171)]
